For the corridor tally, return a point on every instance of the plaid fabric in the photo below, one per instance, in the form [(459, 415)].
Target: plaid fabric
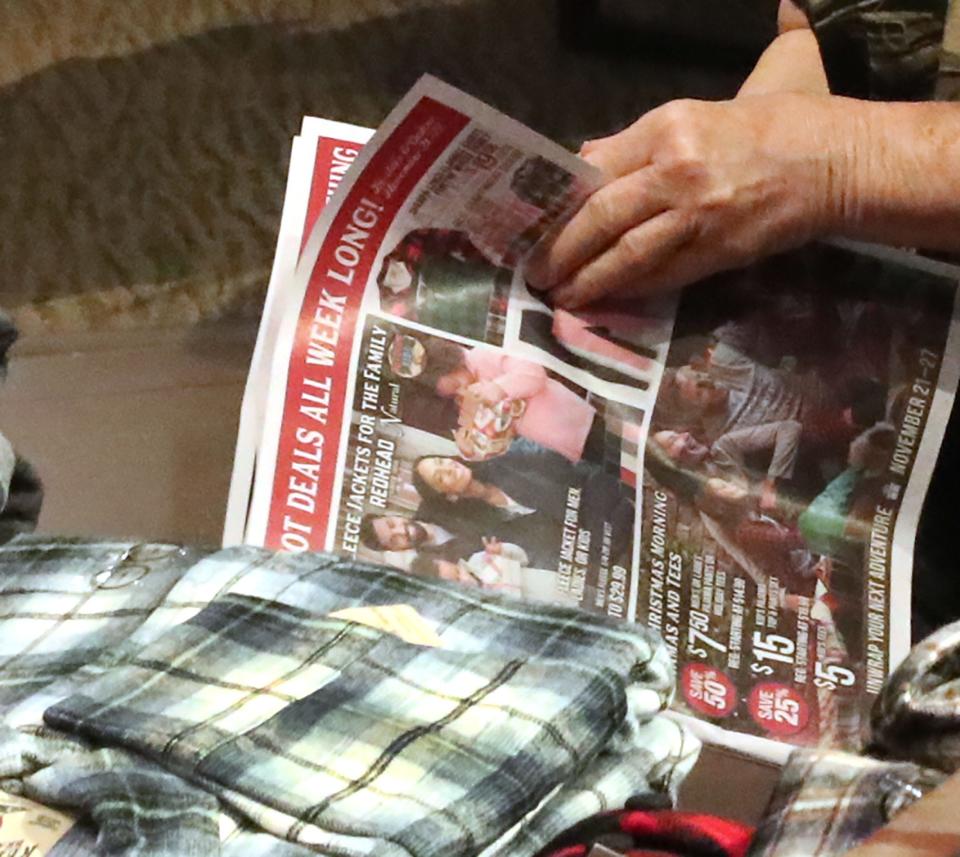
[(917, 715), (134, 806), (332, 735), (64, 605), (636, 832), (887, 49), (126, 806), (827, 802)]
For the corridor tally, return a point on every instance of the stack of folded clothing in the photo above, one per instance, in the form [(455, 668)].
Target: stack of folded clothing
[(245, 702), (183, 703)]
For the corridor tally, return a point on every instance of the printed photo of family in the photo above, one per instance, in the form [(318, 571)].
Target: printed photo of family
[(777, 417), (611, 343), (504, 476), (438, 278), (458, 280)]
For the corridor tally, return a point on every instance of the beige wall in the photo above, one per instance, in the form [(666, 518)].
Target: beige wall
[(132, 433), (38, 33)]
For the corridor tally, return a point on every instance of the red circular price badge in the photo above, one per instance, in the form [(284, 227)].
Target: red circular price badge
[(708, 690), (778, 708)]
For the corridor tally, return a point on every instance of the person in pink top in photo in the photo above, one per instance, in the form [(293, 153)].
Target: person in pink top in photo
[(552, 414), (587, 336)]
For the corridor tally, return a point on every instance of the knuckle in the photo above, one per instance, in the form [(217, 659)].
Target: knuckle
[(683, 136), (586, 286), (681, 117), (685, 162), (603, 210), (677, 113), (721, 197), (633, 247), (688, 169)]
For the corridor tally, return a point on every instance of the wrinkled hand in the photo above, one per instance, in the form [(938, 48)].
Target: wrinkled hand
[(695, 188)]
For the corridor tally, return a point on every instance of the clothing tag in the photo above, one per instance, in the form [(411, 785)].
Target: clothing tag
[(401, 620), (28, 829), (601, 851)]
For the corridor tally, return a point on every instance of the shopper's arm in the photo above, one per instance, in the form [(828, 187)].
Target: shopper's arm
[(899, 182), (791, 17), (792, 62), (698, 187)]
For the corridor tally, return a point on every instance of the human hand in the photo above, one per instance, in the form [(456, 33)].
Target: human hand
[(768, 496), (466, 576), (488, 392), (695, 188), (824, 570)]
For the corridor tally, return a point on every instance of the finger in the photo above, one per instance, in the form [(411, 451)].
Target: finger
[(694, 261), (606, 215), (638, 252), (628, 150), (588, 145)]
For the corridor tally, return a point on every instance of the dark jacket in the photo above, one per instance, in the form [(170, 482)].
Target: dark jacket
[(560, 493)]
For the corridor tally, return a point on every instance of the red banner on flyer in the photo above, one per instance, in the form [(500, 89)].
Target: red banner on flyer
[(320, 364), (333, 159)]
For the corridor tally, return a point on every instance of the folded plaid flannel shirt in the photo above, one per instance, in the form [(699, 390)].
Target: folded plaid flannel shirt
[(174, 686), (917, 715), (826, 803)]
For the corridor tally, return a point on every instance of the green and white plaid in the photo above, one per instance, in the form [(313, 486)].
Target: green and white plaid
[(324, 734), (65, 605)]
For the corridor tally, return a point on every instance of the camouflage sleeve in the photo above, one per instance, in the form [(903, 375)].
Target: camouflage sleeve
[(885, 50), (948, 85)]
